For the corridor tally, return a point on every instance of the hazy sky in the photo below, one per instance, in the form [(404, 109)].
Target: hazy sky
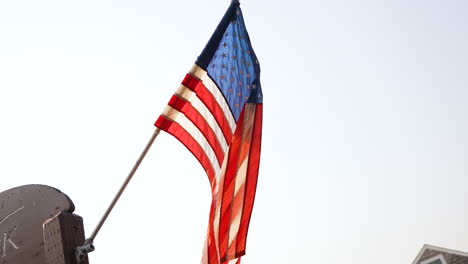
[(365, 142)]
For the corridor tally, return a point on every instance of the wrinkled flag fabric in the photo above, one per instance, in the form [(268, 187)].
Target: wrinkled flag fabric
[(217, 114)]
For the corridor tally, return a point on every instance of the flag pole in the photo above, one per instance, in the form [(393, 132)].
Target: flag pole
[(88, 244)]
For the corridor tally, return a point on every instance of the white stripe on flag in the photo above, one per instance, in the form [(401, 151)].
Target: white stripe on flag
[(233, 261), (213, 88), (241, 173), (218, 202), (190, 96), (205, 251), (240, 183), (184, 122)]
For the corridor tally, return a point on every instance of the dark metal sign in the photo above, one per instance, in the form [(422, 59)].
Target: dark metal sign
[(23, 210)]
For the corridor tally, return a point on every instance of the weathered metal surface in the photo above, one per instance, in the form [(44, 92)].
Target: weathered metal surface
[(62, 234), (23, 210)]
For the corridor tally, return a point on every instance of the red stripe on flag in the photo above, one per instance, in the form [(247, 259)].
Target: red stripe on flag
[(240, 177), (193, 115), (212, 250), (228, 189), (189, 142), (251, 181), (238, 202), (210, 102)]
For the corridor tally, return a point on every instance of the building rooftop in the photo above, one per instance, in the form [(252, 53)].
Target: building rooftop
[(437, 255)]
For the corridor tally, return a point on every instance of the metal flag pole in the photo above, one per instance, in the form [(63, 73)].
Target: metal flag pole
[(88, 244)]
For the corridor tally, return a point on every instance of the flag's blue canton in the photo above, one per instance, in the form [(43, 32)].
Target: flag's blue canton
[(235, 68)]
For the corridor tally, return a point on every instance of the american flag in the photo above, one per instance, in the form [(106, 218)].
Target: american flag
[(217, 114)]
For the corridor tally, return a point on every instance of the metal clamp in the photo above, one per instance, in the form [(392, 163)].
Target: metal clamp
[(82, 251)]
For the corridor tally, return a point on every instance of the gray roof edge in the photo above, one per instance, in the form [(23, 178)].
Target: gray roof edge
[(440, 249)]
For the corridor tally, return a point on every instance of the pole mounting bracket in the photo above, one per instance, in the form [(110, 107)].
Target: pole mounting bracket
[(82, 251)]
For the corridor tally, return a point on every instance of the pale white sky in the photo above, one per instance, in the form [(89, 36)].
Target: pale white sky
[(365, 142)]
